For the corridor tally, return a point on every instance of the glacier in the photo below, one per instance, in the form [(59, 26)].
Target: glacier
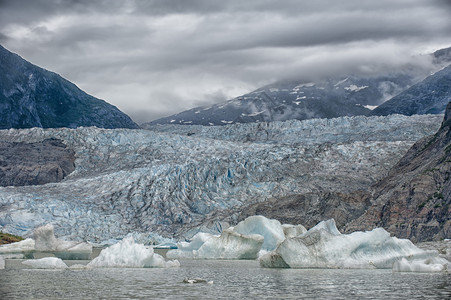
[(173, 182), (128, 254), (323, 246)]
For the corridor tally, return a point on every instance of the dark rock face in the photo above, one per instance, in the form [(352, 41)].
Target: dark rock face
[(429, 96), (413, 201), (33, 97), (310, 209), (35, 163)]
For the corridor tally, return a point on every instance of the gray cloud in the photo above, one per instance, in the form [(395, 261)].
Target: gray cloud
[(154, 58)]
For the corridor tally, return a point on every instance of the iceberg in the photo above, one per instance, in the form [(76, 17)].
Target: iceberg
[(229, 245), (2, 262), (429, 265), (244, 241), (46, 263), (46, 241), (323, 246), (271, 230), (128, 254)]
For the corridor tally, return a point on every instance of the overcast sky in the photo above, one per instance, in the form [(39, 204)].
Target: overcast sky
[(156, 58)]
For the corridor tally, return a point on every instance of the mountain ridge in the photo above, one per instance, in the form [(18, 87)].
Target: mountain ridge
[(35, 97)]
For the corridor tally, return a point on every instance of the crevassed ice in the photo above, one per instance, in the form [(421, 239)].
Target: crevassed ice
[(129, 181)]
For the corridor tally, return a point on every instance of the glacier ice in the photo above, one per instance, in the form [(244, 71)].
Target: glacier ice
[(128, 254), (429, 265), (46, 263), (323, 246), (166, 183)]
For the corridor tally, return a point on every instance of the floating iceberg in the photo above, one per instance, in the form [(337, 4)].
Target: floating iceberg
[(2, 262), (46, 263), (429, 265), (244, 241), (46, 241), (24, 246), (128, 254), (323, 246), (271, 230), (229, 245)]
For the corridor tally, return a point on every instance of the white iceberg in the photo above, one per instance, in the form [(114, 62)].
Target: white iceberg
[(429, 265), (229, 245), (46, 241), (46, 263), (2, 262), (324, 246), (271, 230), (247, 240), (24, 246), (128, 254)]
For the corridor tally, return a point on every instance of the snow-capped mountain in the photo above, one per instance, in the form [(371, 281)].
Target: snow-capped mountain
[(348, 96), (429, 96), (33, 97), (334, 97), (145, 181)]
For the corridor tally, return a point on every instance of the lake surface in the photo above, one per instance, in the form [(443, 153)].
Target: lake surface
[(231, 280)]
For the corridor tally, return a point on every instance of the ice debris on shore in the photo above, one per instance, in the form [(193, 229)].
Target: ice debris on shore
[(45, 241), (323, 246), (128, 254)]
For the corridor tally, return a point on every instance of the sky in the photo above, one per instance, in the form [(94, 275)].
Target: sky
[(154, 58)]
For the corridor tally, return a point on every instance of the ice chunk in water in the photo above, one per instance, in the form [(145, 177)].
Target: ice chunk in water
[(324, 246), (271, 230), (128, 254), (46, 241), (26, 245), (423, 266), (46, 263)]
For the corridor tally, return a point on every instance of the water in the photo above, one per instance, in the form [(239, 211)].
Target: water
[(231, 280)]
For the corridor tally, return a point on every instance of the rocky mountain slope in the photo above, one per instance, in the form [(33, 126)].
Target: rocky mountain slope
[(145, 181), (414, 200), (35, 163), (33, 97), (429, 96)]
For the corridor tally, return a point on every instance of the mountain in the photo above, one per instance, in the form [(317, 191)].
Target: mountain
[(33, 97), (330, 98), (429, 96), (348, 96), (169, 183), (414, 200)]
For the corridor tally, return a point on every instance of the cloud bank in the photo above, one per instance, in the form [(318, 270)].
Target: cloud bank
[(155, 58)]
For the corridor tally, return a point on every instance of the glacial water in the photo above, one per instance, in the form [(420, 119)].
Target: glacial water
[(231, 280)]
